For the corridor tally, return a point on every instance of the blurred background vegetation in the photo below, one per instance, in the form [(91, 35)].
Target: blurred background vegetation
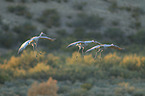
[(59, 71)]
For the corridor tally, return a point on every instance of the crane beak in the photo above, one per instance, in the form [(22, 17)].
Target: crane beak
[(53, 39), (43, 33), (121, 48)]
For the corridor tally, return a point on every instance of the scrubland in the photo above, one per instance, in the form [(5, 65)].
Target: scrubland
[(113, 74), (61, 71)]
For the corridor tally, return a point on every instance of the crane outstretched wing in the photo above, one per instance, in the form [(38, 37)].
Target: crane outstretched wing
[(74, 43), (116, 47), (97, 42), (92, 41), (95, 47), (88, 41), (24, 45), (45, 37)]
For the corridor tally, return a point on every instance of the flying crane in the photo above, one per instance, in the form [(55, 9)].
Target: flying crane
[(33, 41), (104, 46), (82, 44)]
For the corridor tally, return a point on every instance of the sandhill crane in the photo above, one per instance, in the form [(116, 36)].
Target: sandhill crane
[(104, 46), (33, 41), (82, 44)]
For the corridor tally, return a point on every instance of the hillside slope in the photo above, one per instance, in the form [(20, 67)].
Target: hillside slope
[(127, 15)]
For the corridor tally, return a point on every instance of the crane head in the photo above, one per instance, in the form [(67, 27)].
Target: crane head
[(41, 34), (93, 40), (96, 42), (112, 44)]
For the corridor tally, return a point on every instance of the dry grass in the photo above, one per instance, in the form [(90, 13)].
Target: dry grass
[(48, 88), (27, 65)]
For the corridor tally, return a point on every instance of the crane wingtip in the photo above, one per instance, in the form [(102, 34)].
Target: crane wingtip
[(53, 39), (18, 52), (87, 51), (67, 46)]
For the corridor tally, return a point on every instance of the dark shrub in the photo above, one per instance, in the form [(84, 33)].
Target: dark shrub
[(88, 21), (25, 31), (139, 37), (7, 39), (20, 10), (49, 18), (3, 76), (115, 34)]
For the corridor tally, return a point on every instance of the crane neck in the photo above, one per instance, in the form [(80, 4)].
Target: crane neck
[(41, 34)]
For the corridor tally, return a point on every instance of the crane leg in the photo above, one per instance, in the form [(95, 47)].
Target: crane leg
[(79, 49), (83, 50), (37, 48), (33, 46), (97, 52), (100, 54), (78, 52), (34, 49)]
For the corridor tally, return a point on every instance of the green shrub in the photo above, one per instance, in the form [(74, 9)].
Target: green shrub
[(138, 24), (20, 10), (8, 42), (114, 6), (51, 45), (49, 18), (24, 1), (124, 88), (5, 27), (44, 0), (0, 19), (117, 71), (115, 34), (10, 0), (86, 86), (79, 33), (136, 12), (64, 89), (115, 22), (4, 76), (88, 21), (139, 92), (139, 37), (28, 15), (93, 36), (80, 6), (35, 1), (65, 1), (78, 92), (61, 32), (25, 31), (127, 8)]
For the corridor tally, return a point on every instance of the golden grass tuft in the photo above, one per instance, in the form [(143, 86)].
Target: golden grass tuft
[(39, 68), (112, 57), (75, 59), (132, 62), (88, 59)]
